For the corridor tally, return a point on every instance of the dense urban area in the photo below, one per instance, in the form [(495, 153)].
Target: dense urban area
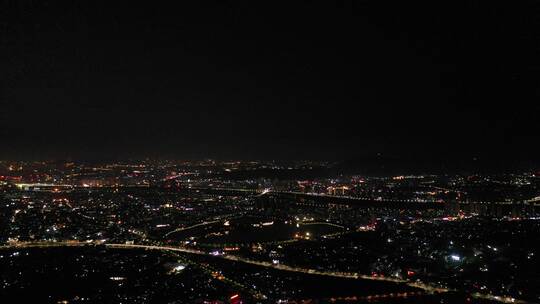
[(264, 232)]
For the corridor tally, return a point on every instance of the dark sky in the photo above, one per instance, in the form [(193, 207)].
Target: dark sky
[(332, 79)]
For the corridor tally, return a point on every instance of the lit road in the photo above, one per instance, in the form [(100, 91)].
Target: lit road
[(346, 275), (191, 227), (322, 223)]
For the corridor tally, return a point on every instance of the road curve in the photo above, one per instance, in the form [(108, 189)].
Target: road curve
[(425, 287)]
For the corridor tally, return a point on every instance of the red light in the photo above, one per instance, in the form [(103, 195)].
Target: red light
[(234, 297)]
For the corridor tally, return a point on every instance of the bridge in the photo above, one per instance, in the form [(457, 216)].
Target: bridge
[(366, 202), (43, 187), (322, 198)]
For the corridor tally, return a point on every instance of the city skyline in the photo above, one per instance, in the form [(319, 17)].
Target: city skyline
[(264, 152), (264, 232)]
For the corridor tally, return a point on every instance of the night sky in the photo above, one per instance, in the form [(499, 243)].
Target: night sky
[(312, 80)]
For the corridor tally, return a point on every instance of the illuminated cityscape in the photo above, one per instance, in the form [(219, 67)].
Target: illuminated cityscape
[(198, 225), (300, 152)]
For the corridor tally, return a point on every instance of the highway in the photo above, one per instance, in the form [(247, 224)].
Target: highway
[(426, 287), (191, 227)]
